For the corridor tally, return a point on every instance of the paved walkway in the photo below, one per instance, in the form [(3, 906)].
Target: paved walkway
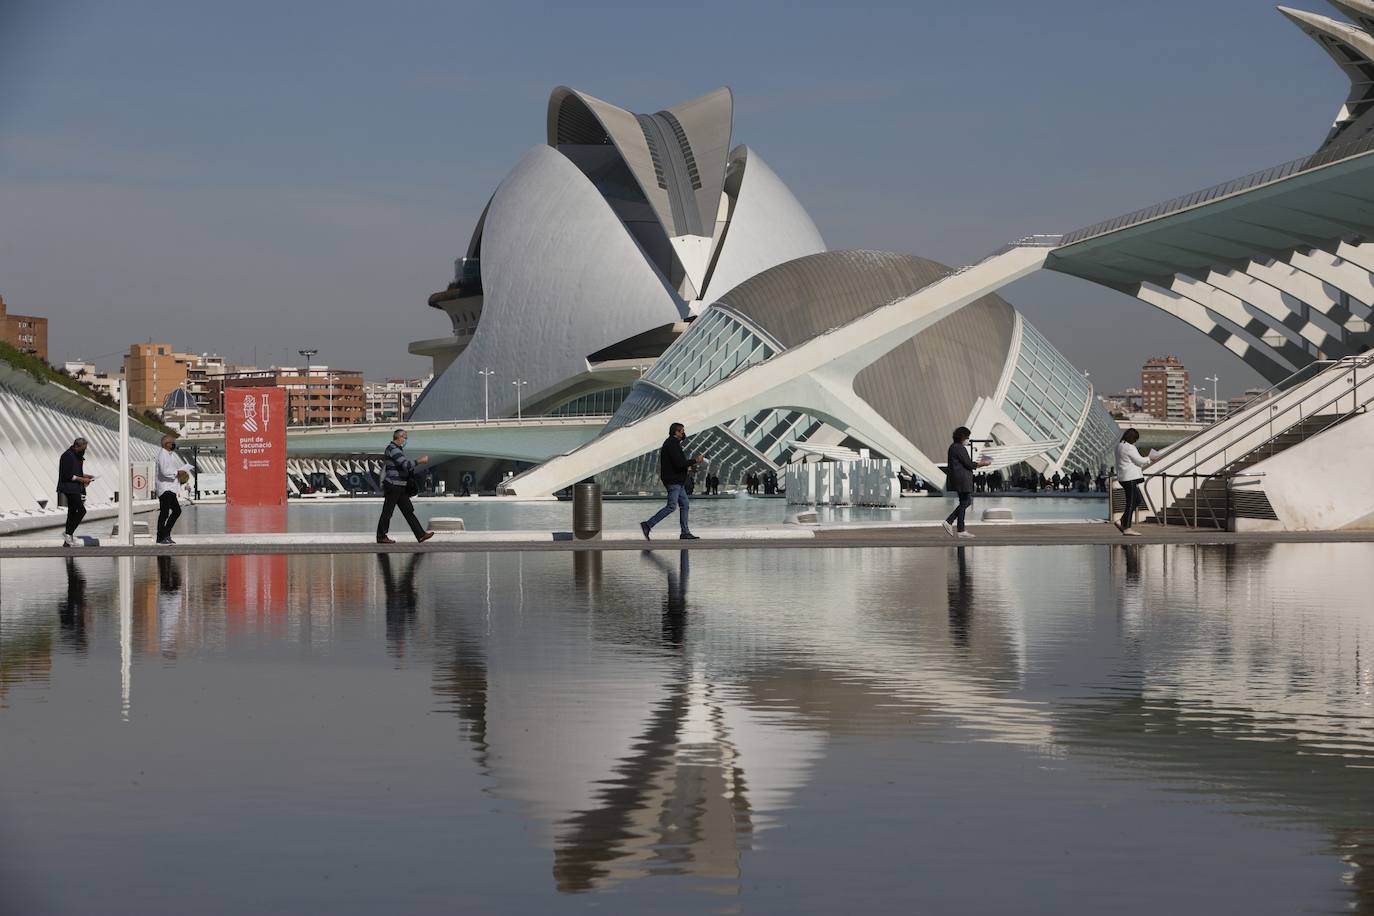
[(1014, 534)]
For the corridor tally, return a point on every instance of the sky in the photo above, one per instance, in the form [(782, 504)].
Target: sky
[(255, 178)]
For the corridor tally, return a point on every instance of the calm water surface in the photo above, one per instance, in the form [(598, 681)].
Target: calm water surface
[(342, 515), (1136, 729)]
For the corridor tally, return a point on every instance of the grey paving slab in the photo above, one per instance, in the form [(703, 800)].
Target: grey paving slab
[(779, 537)]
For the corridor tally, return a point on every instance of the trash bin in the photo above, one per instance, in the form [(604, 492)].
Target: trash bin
[(587, 510)]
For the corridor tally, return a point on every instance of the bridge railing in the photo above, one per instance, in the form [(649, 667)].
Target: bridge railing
[(1270, 175)]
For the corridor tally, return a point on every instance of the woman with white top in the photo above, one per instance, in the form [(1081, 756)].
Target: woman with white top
[(1130, 474)]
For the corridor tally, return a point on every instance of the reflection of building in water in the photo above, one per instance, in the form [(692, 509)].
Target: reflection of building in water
[(1249, 686), (43, 599), (665, 742), (660, 713), (1258, 644)]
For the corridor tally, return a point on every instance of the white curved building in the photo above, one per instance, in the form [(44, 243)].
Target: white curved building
[(631, 243), (594, 252)]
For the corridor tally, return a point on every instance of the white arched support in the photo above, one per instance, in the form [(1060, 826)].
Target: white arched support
[(816, 377), (1254, 352)]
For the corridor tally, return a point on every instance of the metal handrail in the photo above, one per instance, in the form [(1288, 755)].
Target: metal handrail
[(1162, 516), (1328, 156), (1351, 388), (1356, 363), (1286, 383)]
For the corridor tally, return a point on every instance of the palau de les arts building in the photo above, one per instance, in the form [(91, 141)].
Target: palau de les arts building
[(639, 258)]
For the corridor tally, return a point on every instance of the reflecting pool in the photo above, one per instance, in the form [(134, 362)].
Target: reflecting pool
[(347, 515), (1135, 729)]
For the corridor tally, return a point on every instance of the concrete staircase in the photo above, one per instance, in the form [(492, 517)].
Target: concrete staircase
[(1211, 503)]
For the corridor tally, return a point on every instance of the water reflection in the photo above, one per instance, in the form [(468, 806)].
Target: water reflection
[(960, 599), (72, 613), (675, 595), (402, 601), (657, 720)]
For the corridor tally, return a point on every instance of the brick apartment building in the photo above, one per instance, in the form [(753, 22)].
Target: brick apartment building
[(315, 396), (1166, 391), (26, 333)]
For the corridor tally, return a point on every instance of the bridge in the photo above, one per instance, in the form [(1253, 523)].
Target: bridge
[(531, 439)]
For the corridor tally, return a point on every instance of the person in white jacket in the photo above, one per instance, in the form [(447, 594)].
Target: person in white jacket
[(169, 481), (1130, 473)]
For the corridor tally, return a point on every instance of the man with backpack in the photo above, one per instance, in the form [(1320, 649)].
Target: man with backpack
[(398, 485)]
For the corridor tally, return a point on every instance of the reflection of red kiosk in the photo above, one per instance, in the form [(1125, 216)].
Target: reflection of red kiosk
[(255, 495)]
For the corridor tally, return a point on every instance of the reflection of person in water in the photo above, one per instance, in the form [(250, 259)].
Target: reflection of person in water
[(71, 616), (675, 600), (960, 589), (168, 603), (401, 601), (1131, 601)]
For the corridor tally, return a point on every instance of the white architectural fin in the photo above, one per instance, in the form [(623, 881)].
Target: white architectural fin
[(694, 252)]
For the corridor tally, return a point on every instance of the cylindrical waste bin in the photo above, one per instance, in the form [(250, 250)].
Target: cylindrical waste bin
[(587, 510)]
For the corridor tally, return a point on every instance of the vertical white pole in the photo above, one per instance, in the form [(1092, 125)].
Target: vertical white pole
[(125, 480), (126, 631)]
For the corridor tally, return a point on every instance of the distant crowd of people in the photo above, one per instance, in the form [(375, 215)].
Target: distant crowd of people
[(1073, 482)]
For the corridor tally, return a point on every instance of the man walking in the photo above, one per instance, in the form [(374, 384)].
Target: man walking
[(398, 485), (72, 480), (673, 468), (172, 474)]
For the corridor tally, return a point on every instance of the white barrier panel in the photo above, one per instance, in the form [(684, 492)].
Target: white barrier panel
[(38, 421), (864, 482)]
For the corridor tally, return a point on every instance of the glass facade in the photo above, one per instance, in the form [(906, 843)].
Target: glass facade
[(718, 344), (593, 404), (1046, 399), (1096, 445)]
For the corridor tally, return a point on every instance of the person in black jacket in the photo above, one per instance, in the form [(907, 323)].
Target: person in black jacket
[(959, 468), (673, 469), (72, 480)]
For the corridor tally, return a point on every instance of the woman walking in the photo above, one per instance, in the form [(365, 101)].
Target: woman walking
[(1129, 472), (959, 468)]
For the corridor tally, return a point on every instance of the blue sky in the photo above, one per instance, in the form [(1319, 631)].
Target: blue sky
[(282, 175)]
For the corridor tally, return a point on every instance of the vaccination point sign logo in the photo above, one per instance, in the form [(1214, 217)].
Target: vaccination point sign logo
[(255, 446)]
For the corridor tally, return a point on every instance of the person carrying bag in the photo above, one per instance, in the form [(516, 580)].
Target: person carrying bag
[(398, 486)]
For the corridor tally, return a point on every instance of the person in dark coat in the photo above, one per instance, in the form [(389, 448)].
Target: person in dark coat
[(674, 468), (959, 468), (72, 481)]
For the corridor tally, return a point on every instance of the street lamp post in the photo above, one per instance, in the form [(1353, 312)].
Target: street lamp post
[(1213, 379), (307, 355), (486, 398), (518, 383)]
